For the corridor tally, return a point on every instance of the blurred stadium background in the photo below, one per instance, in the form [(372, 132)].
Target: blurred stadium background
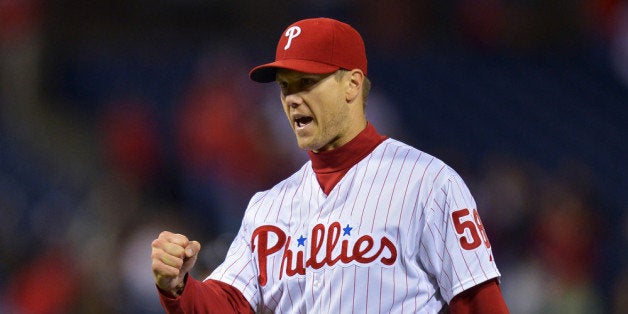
[(119, 119)]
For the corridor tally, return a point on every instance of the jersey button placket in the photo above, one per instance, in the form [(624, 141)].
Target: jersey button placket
[(316, 284)]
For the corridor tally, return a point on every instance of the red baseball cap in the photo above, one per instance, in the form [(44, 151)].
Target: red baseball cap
[(318, 46)]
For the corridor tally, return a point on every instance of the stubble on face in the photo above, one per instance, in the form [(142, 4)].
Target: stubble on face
[(315, 107)]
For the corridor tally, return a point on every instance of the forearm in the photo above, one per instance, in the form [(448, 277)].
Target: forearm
[(210, 296)]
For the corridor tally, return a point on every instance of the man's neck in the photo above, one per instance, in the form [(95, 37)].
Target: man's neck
[(331, 166)]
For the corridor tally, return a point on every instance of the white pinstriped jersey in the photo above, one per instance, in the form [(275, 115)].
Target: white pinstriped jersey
[(399, 233)]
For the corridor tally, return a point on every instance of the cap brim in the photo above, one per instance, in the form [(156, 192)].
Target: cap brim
[(265, 73)]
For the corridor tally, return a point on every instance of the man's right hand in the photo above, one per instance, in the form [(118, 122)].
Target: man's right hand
[(173, 255)]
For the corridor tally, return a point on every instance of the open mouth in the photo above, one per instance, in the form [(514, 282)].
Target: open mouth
[(303, 121)]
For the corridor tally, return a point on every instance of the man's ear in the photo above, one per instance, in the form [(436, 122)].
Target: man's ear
[(354, 90)]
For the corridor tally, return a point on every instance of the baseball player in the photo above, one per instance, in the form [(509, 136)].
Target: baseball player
[(367, 225)]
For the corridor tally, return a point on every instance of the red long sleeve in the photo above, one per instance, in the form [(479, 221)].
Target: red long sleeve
[(210, 296), (485, 298)]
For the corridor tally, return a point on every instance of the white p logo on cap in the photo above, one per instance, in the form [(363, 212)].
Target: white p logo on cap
[(291, 33)]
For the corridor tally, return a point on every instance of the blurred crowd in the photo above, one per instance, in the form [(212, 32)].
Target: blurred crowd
[(120, 119)]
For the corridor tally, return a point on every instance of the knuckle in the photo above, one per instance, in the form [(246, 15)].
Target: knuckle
[(155, 254), (174, 272), (174, 249), (180, 239), (156, 265), (177, 262), (156, 243)]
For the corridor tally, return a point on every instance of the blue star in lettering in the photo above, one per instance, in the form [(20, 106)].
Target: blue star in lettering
[(301, 241), (347, 230)]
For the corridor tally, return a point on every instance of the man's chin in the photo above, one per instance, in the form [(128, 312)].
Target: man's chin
[(305, 145)]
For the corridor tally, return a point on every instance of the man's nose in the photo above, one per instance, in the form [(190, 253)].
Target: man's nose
[(294, 100)]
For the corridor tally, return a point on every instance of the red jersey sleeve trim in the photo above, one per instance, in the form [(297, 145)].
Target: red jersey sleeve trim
[(484, 298), (210, 296)]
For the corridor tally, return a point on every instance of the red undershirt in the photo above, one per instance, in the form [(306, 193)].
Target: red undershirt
[(213, 296), (330, 166)]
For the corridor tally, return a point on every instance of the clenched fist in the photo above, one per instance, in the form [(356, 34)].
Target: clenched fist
[(173, 256)]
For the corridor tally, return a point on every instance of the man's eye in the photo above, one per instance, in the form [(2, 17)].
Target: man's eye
[(283, 86), (308, 81)]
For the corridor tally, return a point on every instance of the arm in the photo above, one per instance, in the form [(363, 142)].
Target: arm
[(454, 245), (483, 298), (210, 296), (173, 255)]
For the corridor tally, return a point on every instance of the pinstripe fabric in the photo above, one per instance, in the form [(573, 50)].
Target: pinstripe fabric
[(382, 241)]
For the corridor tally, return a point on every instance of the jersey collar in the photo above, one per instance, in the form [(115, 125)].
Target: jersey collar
[(349, 154)]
